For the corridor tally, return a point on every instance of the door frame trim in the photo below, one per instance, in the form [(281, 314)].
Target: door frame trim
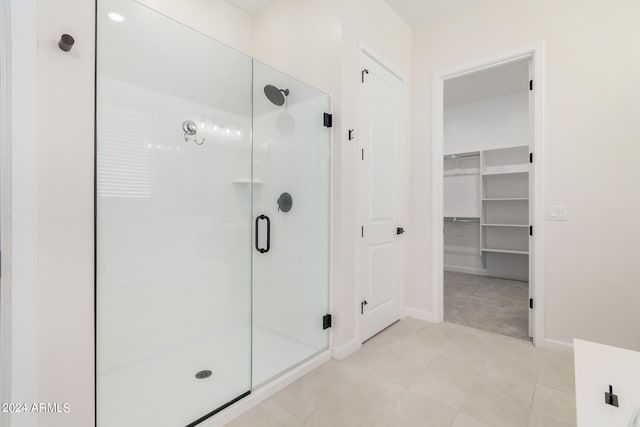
[(5, 198), (365, 50), (535, 52)]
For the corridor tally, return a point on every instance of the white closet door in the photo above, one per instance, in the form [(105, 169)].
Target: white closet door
[(381, 254)]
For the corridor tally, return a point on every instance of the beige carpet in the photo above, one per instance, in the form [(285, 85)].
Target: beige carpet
[(488, 303)]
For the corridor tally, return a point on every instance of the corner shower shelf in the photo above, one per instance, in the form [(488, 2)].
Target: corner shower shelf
[(505, 251)]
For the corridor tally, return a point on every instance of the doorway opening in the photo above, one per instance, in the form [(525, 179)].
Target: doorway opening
[(486, 184)]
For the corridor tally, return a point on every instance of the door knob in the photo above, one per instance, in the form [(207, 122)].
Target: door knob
[(399, 230)]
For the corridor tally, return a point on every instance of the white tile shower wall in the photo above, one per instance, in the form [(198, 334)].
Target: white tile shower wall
[(164, 226)]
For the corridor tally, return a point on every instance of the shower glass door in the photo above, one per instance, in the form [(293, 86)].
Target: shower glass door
[(291, 168), (174, 243)]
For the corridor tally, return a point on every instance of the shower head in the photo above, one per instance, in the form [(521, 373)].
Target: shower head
[(275, 95)]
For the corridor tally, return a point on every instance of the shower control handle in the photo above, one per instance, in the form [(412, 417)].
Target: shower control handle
[(258, 248)]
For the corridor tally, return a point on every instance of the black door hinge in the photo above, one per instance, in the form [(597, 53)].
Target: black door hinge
[(362, 304), (362, 231), (530, 302), (530, 157), (328, 120), (364, 71), (530, 84), (326, 321), (531, 230), (362, 153)]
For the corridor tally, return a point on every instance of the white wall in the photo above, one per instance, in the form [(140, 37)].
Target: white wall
[(65, 211), (318, 42), (301, 38), (591, 152), (19, 225), (216, 18), (496, 122), (5, 207)]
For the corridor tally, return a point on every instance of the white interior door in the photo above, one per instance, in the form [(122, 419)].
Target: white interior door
[(380, 250)]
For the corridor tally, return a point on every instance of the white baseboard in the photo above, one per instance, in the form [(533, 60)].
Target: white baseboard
[(557, 345), (264, 392), (419, 314), (468, 270), (351, 347)]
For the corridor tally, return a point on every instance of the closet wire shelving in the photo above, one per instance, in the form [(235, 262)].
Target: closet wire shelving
[(462, 219), (504, 187)]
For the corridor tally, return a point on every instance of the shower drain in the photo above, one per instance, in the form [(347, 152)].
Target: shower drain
[(203, 374)]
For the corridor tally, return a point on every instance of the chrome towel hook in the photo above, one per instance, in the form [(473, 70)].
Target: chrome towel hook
[(190, 130)]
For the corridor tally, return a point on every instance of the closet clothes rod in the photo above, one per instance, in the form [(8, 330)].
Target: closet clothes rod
[(461, 155), (461, 219)]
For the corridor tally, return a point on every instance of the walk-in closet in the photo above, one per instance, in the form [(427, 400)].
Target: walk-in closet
[(487, 188)]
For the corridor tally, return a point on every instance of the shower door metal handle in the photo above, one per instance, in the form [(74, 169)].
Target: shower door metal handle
[(258, 248)]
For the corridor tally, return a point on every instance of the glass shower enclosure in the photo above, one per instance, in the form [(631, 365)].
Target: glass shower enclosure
[(212, 221)]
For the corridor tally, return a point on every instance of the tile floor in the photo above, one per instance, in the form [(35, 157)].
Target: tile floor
[(488, 303), (422, 374)]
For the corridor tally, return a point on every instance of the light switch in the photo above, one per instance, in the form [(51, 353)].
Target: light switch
[(557, 212)]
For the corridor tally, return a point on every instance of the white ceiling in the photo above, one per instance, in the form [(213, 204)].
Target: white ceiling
[(419, 12), (496, 81), (414, 12), (250, 6)]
